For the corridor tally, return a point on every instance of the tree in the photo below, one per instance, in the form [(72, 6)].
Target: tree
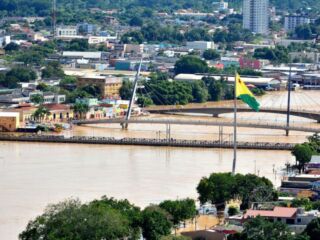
[(144, 101), (11, 47), (211, 54), (199, 92), (53, 69), (80, 108), (313, 229), (155, 223), (190, 64), (303, 31), (40, 113), (37, 99), (216, 189), (303, 153), (136, 21), (126, 89), (233, 211), (260, 229), (180, 210), (221, 187), (22, 74), (73, 220), (78, 45)]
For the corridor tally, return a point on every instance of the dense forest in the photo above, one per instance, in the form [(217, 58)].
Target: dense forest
[(42, 7)]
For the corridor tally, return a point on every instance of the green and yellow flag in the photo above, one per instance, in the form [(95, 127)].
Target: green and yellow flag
[(243, 92)]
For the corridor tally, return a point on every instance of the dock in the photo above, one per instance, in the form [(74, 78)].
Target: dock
[(144, 142)]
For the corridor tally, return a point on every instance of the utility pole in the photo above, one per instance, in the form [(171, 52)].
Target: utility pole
[(128, 116), (289, 100)]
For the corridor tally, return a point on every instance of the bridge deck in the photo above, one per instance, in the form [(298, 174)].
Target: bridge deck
[(147, 142), (193, 122)]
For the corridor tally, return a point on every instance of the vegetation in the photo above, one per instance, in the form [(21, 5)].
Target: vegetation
[(303, 152), (313, 229), (41, 113), (190, 64), (52, 70), (16, 75), (37, 99), (211, 54), (219, 188), (277, 55), (81, 109), (73, 220), (261, 229), (155, 223), (180, 210)]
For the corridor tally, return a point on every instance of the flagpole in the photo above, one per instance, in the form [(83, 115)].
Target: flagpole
[(235, 127)]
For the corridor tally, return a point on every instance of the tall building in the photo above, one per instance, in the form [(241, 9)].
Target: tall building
[(256, 16), (295, 20)]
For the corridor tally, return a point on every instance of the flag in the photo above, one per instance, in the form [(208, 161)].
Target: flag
[(243, 92)]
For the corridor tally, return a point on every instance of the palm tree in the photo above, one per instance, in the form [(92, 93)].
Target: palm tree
[(40, 113), (81, 108)]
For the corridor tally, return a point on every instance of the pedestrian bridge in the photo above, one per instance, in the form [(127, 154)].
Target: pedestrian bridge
[(195, 122), (216, 111)]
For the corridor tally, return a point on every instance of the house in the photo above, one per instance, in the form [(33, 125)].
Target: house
[(296, 218)]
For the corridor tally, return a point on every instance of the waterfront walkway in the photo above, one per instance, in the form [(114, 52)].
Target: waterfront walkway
[(145, 142)]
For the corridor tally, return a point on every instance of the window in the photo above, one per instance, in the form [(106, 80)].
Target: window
[(299, 220), (289, 221)]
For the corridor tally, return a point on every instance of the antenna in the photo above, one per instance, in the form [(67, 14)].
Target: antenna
[(54, 10)]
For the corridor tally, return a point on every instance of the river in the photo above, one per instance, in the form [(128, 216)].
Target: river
[(33, 175)]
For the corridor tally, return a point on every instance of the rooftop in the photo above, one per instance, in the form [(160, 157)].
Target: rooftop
[(281, 212)]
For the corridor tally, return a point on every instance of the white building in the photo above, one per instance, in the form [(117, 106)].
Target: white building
[(293, 21), (5, 40), (200, 45), (66, 31), (223, 5), (256, 16)]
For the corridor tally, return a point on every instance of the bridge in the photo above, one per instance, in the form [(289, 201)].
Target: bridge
[(196, 122), (216, 111)]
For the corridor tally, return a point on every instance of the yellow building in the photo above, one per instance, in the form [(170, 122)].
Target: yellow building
[(59, 112), (9, 121), (109, 86)]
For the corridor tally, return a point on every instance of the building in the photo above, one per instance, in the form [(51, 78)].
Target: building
[(200, 45), (9, 121), (134, 48), (4, 40), (255, 16), (295, 20), (87, 28), (66, 31), (296, 218), (109, 86), (250, 63), (93, 56), (59, 112), (223, 5)]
